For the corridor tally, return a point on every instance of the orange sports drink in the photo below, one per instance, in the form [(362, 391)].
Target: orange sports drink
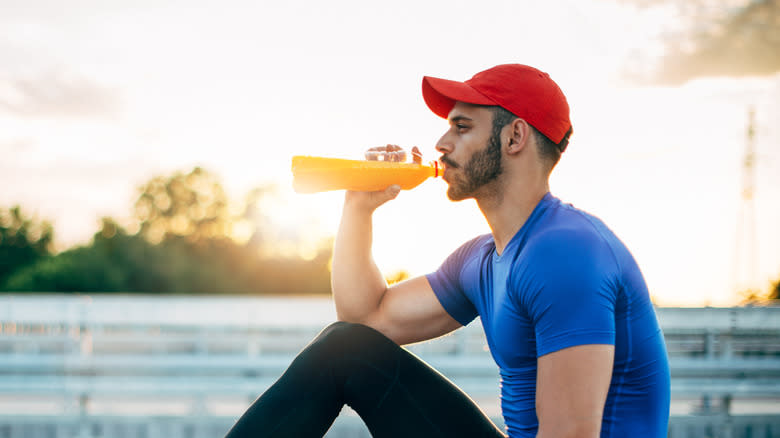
[(321, 174)]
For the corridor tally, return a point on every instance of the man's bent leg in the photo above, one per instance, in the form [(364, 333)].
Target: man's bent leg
[(393, 391), (303, 402)]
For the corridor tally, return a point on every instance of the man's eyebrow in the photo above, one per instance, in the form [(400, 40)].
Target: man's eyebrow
[(457, 119)]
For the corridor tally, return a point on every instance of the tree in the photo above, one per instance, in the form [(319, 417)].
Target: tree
[(116, 261), (192, 205), (184, 245), (23, 241), (762, 297), (397, 276)]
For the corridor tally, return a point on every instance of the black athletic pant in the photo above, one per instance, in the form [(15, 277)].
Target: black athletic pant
[(396, 394)]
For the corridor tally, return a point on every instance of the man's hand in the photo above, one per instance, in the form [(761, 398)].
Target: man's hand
[(367, 202), (394, 153)]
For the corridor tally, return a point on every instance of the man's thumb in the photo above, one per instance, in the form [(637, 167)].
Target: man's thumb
[(390, 193)]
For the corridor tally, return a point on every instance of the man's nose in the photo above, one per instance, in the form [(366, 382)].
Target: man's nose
[(444, 145)]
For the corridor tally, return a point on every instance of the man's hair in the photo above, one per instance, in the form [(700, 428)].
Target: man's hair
[(548, 150), (501, 118)]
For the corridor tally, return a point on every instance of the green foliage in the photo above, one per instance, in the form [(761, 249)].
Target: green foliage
[(23, 241), (289, 275), (397, 276), (119, 262), (192, 205), (758, 297), (182, 246), (78, 270)]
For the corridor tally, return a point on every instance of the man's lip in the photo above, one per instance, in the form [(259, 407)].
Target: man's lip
[(444, 164), (444, 172), (444, 168)]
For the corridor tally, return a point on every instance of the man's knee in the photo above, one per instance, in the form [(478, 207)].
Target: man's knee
[(343, 339), (349, 332)]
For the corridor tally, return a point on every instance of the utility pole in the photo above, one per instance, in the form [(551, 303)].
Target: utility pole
[(746, 255)]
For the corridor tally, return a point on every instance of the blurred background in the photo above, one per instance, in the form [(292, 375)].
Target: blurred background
[(147, 215)]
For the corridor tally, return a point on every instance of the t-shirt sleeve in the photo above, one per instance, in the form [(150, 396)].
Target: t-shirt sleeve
[(447, 284), (571, 291)]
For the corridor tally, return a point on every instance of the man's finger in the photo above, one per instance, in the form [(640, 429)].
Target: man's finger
[(382, 196), (416, 155), (391, 192), (389, 152)]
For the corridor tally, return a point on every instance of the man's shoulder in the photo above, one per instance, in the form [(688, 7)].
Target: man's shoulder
[(467, 253), (568, 226), (569, 237), (475, 244)]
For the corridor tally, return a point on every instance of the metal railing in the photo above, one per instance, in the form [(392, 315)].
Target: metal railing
[(197, 352)]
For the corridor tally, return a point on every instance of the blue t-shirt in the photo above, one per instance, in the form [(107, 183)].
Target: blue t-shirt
[(563, 280)]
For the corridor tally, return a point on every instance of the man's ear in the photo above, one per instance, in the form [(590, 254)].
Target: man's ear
[(519, 132)]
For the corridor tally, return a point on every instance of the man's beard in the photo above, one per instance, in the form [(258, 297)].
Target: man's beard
[(482, 168)]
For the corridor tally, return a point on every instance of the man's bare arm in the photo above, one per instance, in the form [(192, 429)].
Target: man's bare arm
[(356, 281), (407, 312), (571, 389)]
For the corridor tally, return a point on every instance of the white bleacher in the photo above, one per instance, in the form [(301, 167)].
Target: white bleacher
[(83, 351)]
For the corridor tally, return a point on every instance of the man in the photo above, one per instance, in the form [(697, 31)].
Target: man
[(565, 309)]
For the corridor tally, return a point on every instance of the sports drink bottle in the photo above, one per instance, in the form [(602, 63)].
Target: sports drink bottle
[(321, 174)]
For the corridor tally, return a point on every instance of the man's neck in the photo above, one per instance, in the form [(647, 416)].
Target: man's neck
[(507, 210)]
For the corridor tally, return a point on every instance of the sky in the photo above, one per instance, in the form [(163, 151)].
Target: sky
[(98, 97)]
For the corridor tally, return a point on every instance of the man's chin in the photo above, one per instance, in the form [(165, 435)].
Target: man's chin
[(455, 195)]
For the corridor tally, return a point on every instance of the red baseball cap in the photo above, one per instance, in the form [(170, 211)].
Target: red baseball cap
[(524, 91)]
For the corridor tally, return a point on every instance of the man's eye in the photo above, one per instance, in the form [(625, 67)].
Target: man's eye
[(461, 126)]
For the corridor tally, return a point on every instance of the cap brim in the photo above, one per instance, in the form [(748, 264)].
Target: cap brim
[(441, 94)]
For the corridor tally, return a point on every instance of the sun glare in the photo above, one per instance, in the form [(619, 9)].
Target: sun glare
[(297, 225)]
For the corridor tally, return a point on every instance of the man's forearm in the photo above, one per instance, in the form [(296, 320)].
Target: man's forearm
[(356, 281)]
